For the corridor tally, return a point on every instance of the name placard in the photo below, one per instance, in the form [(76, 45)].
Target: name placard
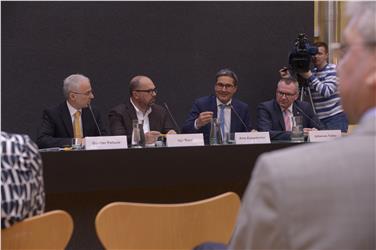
[(105, 142), (323, 135), (252, 137), (183, 140)]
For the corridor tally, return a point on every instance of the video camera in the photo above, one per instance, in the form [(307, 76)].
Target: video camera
[(300, 58)]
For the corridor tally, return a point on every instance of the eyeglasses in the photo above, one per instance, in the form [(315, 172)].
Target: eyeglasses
[(285, 94), (226, 86), (86, 93), (150, 91), (341, 49)]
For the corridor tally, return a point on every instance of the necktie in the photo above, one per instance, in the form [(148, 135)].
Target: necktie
[(77, 125), (222, 119), (287, 119)]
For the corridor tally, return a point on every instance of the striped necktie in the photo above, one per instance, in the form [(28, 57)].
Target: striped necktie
[(77, 125)]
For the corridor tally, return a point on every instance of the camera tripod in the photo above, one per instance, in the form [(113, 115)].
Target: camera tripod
[(304, 89)]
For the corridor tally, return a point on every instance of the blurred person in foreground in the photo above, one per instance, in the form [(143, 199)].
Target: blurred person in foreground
[(22, 188)]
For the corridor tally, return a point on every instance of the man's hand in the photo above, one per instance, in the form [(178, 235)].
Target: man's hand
[(171, 132), (284, 73), (204, 118), (151, 137), (306, 75)]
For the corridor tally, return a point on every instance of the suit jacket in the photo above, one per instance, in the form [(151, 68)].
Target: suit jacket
[(316, 196), (209, 103), (56, 129), (121, 117), (270, 118)]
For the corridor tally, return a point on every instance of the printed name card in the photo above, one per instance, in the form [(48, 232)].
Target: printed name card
[(105, 142), (323, 135), (183, 140), (252, 138)]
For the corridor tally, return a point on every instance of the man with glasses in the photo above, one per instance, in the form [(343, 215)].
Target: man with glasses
[(275, 115), (72, 118), (233, 114), (141, 106)]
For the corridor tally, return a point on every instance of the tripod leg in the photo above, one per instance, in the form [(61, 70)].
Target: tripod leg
[(311, 101), (301, 93)]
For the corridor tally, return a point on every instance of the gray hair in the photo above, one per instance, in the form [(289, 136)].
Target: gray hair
[(71, 83), (289, 81), (362, 16)]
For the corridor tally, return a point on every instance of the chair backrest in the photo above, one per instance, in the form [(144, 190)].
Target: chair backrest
[(51, 230), (124, 225)]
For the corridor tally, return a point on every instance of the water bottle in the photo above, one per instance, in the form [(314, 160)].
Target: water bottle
[(215, 132), (138, 137)]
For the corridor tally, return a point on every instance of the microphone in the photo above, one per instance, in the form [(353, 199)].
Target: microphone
[(172, 118), (95, 121), (240, 119), (318, 125)]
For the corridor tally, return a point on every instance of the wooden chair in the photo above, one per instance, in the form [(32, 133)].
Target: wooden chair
[(124, 225), (51, 230)]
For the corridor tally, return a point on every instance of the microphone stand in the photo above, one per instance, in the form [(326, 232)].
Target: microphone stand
[(95, 121), (172, 118), (319, 126), (237, 115)]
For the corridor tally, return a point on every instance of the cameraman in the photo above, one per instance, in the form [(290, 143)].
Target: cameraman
[(322, 81)]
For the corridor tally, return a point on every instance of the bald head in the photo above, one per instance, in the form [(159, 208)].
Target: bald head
[(142, 91), (137, 82)]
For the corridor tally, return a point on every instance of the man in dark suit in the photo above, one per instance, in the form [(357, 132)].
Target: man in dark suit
[(141, 106), (72, 118), (275, 115), (231, 111)]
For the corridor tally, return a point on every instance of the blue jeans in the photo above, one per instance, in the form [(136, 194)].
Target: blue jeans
[(338, 121)]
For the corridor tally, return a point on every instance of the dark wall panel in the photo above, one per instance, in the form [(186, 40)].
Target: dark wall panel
[(180, 45)]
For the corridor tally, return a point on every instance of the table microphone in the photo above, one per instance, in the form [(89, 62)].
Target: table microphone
[(95, 121), (319, 126), (240, 119), (172, 118)]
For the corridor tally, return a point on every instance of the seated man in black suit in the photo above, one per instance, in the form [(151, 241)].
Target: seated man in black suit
[(275, 115), (140, 106), (72, 118)]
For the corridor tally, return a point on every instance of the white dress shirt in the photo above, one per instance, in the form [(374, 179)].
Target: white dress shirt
[(142, 117)]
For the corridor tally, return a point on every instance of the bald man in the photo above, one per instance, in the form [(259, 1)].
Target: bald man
[(140, 106)]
